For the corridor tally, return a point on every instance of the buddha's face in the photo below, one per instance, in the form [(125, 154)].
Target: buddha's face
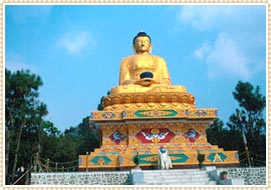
[(142, 44)]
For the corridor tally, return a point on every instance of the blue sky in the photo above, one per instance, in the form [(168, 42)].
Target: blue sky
[(77, 49)]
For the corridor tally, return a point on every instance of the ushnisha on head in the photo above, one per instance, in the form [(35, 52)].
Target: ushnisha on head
[(140, 34), (142, 43)]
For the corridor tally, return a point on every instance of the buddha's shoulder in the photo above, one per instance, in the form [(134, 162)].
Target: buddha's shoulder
[(132, 57), (127, 59), (158, 57)]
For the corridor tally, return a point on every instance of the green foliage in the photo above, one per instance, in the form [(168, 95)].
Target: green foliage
[(49, 129), (69, 145), (24, 113), (252, 104), (27, 133), (251, 100), (88, 136), (223, 137)]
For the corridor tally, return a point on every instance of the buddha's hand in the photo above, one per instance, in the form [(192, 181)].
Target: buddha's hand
[(146, 82), (128, 82)]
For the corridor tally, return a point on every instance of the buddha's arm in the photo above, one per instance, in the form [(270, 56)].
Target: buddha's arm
[(125, 76), (165, 78)]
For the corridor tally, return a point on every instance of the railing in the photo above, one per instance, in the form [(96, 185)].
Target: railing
[(22, 176), (46, 165), (251, 159)]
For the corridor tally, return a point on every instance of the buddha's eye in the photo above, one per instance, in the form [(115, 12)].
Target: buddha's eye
[(146, 42)]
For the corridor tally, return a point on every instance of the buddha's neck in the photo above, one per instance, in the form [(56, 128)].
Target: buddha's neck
[(142, 53)]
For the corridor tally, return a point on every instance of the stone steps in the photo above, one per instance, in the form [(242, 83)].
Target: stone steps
[(182, 184), (177, 177)]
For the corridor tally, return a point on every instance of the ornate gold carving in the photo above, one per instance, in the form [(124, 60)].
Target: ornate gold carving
[(155, 131), (146, 106), (101, 161), (150, 159), (155, 140), (149, 97)]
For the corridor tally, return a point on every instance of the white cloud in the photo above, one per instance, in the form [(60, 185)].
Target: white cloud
[(200, 53), (236, 37), (75, 44), (202, 17), (224, 58)]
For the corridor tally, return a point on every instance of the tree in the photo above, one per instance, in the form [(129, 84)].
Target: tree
[(23, 112), (48, 136), (230, 137), (223, 137), (252, 104), (27, 133), (87, 136), (64, 148)]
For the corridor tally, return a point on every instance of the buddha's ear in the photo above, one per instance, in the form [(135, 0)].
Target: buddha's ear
[(134, 49), (150, 48)]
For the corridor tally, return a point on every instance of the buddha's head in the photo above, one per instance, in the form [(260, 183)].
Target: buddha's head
[(142, 43)]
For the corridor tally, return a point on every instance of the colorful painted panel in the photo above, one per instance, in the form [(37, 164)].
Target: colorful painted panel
[(108, 115), (178, 158), (155, 113), (217, 157), (201, 113), (117, 137), (148, 159), (101, 160), (155, 135), (192, 135)]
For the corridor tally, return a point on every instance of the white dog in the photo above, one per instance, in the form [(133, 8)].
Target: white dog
[(164, 161)]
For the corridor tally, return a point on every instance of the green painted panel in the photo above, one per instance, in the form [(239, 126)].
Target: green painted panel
[(221, 158), (148, 159), (178, 158), (153, 158), (108, 153), (104, 159), (158, 113)]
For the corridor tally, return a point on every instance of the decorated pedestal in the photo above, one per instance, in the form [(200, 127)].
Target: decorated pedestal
[(129, 137), (144, 112)]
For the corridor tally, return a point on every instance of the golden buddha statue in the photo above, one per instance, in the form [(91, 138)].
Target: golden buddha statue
[(144, 82), (144, 72)]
